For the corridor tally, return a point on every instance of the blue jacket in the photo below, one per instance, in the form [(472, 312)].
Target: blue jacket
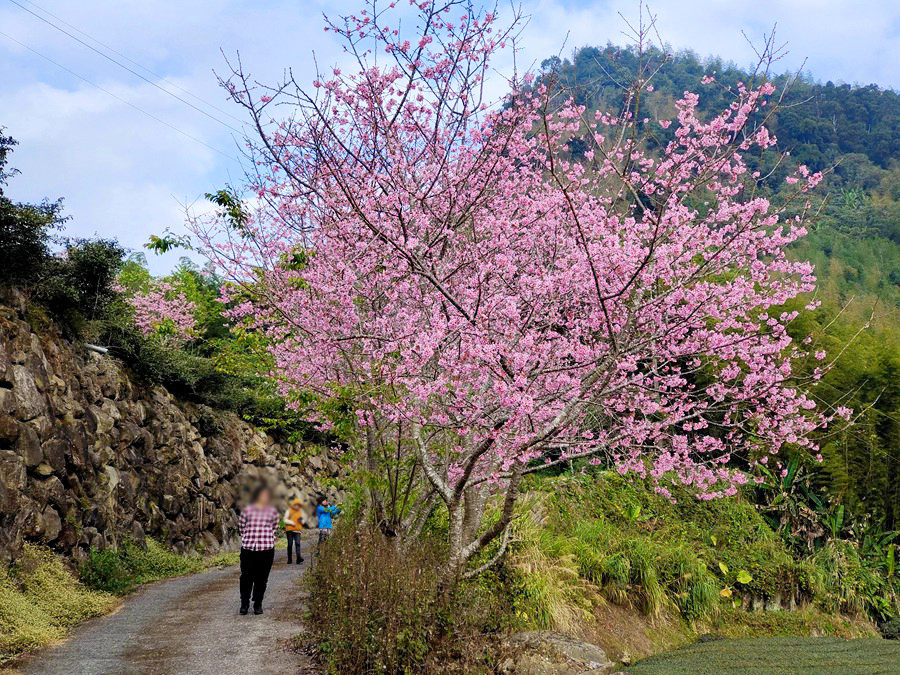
[(324, 514)]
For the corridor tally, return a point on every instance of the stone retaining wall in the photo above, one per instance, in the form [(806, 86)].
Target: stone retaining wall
[(88, 456)]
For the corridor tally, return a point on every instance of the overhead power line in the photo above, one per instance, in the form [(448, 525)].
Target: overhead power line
[(134, 63), (124, 67), (116, 96)]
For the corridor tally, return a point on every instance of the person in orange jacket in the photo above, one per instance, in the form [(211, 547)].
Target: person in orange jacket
[(293, 525)]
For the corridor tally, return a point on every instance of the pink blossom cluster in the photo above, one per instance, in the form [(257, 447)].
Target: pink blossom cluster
[(165, 311), (500, 303)]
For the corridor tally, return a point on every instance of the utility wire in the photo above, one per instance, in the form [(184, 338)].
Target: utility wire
[(116, 96), (124, 67), (135, 63)]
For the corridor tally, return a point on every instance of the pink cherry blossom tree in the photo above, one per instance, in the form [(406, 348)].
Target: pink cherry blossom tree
[(495, 305), (164, 311)]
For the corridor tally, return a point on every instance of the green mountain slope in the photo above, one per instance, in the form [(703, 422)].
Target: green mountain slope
[(853, 134)]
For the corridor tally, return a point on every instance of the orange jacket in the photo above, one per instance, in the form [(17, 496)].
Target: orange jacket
[(293, 519)]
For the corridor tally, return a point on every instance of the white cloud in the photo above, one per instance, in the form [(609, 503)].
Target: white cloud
[(125, 175)]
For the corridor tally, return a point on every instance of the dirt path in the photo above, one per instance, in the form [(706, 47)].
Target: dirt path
[(189, 625)]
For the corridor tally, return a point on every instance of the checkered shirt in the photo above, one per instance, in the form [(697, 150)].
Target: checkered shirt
[(258, 528)]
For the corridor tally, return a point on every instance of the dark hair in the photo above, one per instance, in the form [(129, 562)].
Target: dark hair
[(323, 499), (258, 490)]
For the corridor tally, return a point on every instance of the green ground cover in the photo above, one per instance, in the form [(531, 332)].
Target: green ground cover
[(784, 656)]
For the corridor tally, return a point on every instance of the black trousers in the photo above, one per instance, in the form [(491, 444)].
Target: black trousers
[(293, 542), (255, 568)]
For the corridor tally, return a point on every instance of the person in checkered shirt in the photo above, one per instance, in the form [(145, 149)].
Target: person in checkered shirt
[(258, 524)]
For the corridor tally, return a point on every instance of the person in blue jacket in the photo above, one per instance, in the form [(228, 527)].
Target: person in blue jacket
[(324, 514)]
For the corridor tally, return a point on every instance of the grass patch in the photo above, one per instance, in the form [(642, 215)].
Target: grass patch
[(599, 534), (736, 623), (40, 600), (121, 570), (777, 655)]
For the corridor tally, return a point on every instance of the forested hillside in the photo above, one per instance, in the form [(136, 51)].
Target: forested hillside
[(852, 133), (820, 123)]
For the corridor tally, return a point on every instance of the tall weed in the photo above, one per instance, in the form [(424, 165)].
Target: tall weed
[(376, 607)]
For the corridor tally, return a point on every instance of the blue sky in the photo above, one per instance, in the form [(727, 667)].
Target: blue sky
[(126, 175)]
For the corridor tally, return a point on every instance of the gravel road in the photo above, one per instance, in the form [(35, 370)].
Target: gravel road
[(189, 625)]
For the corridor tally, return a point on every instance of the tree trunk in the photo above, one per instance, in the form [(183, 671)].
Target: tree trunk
[(464, 538)]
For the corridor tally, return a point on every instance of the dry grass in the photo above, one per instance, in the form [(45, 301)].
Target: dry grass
[(377, 607)]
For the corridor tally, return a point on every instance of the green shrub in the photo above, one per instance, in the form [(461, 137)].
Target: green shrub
[(24, 229), (849, 585), (75, 287), (121, 570), (890, 629), (105, 570)]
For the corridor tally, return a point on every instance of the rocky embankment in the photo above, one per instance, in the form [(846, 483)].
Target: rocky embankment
[(88, 456)]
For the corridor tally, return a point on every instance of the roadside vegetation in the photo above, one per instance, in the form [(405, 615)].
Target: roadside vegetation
[(591, 541), (597, 556), (41, 597), (377, 607), (691, 557), (123, 569), (40, 600)]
